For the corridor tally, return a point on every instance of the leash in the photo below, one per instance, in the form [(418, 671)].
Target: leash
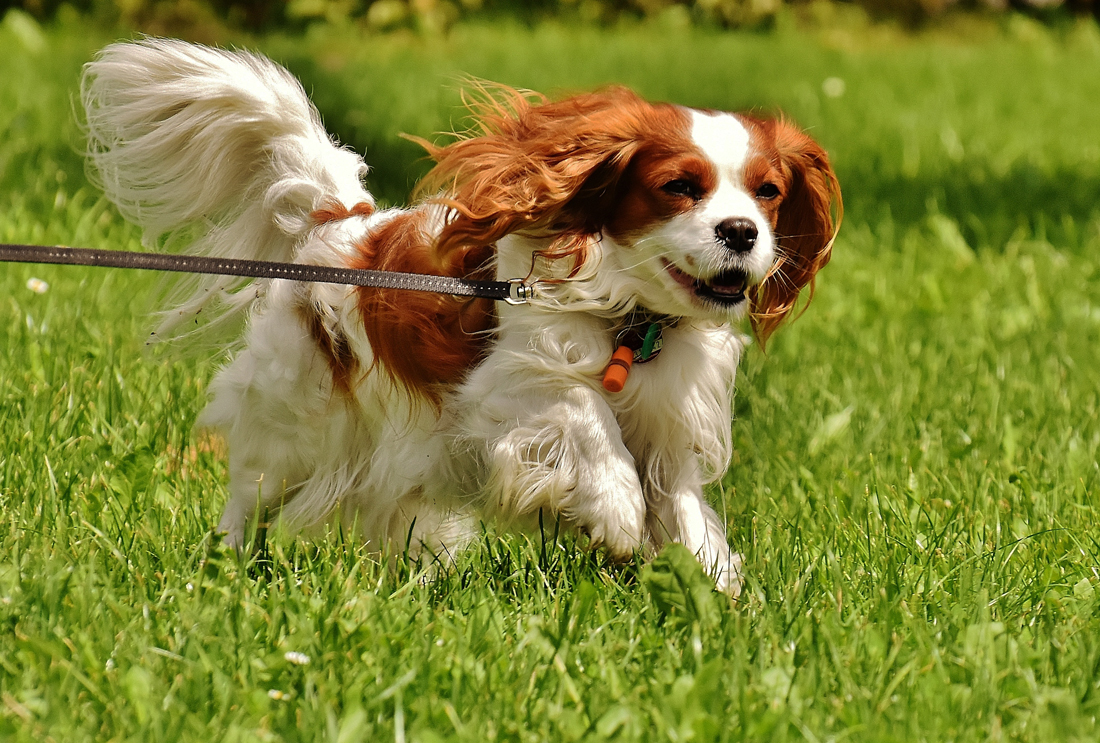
[(639, 341), (512, 291)]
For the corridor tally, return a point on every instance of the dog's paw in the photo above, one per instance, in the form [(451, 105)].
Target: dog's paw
[(619, 534), (728, 574), (232, 540)]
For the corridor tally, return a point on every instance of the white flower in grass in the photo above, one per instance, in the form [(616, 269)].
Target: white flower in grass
[(278, 696), (833, 87), (298, 659), (38, 286)]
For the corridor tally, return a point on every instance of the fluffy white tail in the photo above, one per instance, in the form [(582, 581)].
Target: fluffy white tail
[(218, 152)]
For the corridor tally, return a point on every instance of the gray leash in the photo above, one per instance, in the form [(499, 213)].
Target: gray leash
[(512, 291)]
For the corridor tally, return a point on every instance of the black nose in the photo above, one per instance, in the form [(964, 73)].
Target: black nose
[(737, 234)]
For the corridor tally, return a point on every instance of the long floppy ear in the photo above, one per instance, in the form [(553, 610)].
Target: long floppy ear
[(530, 164), (809, 218)]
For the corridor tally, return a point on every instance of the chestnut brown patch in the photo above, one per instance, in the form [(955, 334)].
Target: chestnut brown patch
[(570, 169), (424, 341), (334, 346), (666, 178), (763, 167), (335, 211), (805, 215)]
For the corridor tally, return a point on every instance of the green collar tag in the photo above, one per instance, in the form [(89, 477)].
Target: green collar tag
[(651, 344), (643, 333)]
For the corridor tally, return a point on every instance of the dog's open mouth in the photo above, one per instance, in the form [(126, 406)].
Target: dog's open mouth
[(726, 288)]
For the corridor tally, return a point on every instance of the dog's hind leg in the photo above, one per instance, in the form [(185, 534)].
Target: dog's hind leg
[(276, 408), (423, 528), (240, 510)]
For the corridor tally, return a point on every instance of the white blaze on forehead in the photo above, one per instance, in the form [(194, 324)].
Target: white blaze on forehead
[(723, 139), (726, 142)]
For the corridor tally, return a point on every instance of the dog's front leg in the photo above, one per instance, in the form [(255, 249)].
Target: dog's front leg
[(683, 515), (562, 451)]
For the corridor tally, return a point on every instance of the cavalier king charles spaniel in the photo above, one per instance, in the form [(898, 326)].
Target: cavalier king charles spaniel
[(648, 229)]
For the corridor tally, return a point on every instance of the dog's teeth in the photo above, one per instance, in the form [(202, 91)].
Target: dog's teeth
[(729, 289)]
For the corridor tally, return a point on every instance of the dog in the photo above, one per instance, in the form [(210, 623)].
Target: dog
[(407, 417)]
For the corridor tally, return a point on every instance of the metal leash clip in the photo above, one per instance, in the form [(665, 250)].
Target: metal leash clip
[(519, 292)]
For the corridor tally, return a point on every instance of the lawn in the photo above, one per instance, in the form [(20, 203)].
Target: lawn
[(916, 487)]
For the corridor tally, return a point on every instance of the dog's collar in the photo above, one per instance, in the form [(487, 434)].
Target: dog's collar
[(638, 339), (642, 331)]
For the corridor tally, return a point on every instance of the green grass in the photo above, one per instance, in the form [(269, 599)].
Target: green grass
[(915, 487)]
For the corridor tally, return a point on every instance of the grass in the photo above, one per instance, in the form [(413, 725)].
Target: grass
[(914, 490)]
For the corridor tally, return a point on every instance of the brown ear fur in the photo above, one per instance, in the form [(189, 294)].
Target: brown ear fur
[(805, 228), (540, 166)]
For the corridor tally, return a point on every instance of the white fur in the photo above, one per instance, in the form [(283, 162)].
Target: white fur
[(220, 151), (225, 151)]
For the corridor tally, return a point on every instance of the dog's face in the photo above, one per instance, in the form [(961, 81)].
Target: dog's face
[(711, 214), (697, 216)]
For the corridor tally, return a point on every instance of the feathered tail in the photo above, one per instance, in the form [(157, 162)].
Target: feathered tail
[(219, 153)]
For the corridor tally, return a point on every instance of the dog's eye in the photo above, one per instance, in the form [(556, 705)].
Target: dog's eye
[(683, 187), (768, 191)]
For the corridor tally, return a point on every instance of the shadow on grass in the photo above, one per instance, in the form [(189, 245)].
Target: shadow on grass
[(990, 208), (517, 567)]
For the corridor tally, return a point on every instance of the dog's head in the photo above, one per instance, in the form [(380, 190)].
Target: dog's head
[(712, 214)]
